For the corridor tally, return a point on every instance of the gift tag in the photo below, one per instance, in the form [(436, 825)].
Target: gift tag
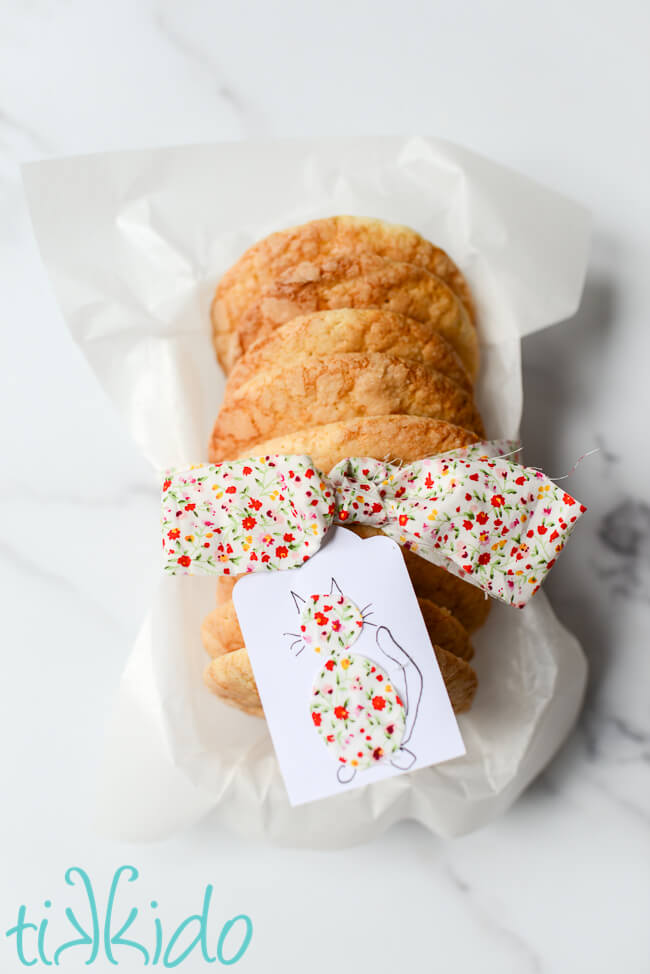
[(348, 679)]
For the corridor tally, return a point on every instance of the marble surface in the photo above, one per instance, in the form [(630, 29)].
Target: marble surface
[(561, 883)]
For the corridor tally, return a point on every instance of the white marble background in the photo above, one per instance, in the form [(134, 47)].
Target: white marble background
[(557, 90)]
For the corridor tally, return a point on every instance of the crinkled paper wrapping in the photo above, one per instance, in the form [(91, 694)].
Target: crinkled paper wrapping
[(134, 243)]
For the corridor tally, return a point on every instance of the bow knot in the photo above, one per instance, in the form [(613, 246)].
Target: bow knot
[(492, 522)]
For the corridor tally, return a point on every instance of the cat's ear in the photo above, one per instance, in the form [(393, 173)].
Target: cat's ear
[(335, 588), (298, 601)]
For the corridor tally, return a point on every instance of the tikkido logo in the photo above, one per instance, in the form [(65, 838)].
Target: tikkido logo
[(97, 936)]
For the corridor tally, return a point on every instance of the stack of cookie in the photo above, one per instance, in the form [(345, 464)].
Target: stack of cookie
[(347, 337)]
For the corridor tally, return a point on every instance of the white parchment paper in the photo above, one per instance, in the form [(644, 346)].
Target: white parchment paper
[(134, 243)]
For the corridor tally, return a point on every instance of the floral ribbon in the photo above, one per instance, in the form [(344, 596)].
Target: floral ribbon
[(486, 519)]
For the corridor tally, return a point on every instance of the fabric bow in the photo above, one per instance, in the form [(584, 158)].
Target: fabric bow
[(486, 519)]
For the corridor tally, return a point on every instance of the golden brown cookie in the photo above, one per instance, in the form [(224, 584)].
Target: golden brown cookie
[(221, 633), (225, 585), (271, 257), (290, 396), (400, 438), (356, 280), (351, 330), (231, 677)]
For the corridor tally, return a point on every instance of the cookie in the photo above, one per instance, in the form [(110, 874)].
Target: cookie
[(351, 330), (225, 585), (221, 633), (325, 390), (400, 438), (271, 257), (231, 677), (357, 280)]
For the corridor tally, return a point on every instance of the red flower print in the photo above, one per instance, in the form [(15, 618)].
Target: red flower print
[(582, 508), (482, 517), (248, 523), (174, 533), (336, 625), (247, 470), (468, 525), (529, 534), (568, 499), (329, 665), (309, 473), (498, 500), (341, 713), (231, 490), (398, 701), (316, 717), (379, 678), (473, 476), (541, 529), (330, 738), (378, 753), (320, 619), (428, 481), (390, 729), (403, 520), (378, 703), (484, 558), (266, 557), (288, 538), (468, 569), (167, 485), (554, 536), (254, 504), (521, 481), (185, 561), (376, 508), (281, 551), (190, 507), (550, 563), (343, 515)]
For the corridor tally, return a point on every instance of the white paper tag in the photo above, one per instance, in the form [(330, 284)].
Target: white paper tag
[(349, 682)]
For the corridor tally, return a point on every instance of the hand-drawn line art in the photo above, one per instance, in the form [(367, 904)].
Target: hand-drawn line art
[(355, 707)]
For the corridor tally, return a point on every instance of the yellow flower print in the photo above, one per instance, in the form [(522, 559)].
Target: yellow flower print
[(189, 537), (224, 557), (345, 663)]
